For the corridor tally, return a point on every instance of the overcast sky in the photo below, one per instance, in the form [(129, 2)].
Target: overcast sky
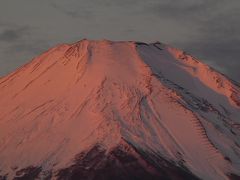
[(207, 29)]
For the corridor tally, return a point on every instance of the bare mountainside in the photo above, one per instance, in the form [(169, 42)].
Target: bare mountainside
[(97, 110)]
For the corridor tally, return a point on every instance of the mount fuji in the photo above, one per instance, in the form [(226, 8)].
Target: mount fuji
[(103, 110)]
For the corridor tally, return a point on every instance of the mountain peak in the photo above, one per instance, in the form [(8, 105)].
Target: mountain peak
[(131, 104)]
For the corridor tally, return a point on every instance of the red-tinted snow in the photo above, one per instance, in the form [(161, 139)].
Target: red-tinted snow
[(74, 96)]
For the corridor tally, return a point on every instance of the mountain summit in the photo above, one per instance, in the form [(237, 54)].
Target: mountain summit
[(103, 110)]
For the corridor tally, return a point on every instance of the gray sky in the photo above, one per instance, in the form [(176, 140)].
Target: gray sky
[(207, 29)]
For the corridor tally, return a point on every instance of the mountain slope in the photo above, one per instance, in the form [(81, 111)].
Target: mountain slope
[(140, 111)]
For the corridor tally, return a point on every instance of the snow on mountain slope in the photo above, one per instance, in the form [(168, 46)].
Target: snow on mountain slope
[(66, 114)]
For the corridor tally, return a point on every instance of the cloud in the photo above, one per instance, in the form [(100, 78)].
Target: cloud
[(16, 38), (13, 34), (188, 9), (18, 44), (73, 9), (208, 29), (93, 8)]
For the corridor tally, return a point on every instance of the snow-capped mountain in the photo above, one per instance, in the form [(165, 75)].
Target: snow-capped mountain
[(118, 110)]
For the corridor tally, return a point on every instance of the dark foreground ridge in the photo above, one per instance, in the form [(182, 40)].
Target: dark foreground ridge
[(121, 163)]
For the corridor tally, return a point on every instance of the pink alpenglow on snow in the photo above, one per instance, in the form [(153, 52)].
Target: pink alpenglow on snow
[(118, 110)]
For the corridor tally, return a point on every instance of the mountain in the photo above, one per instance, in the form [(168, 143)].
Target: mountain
[(101, 110)]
